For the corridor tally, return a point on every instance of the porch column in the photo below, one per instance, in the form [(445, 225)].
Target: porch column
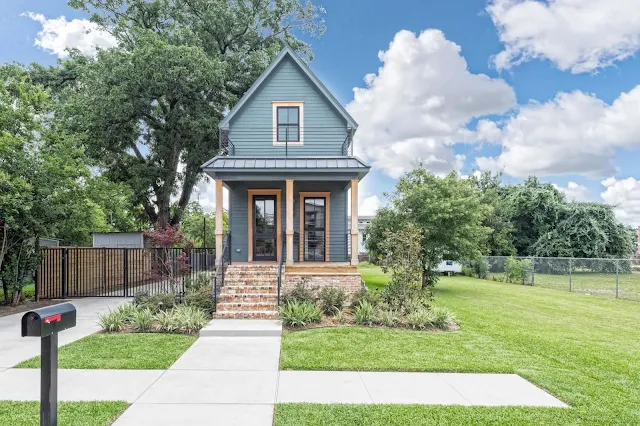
[(354, 222), (289, 222), (219, 222)]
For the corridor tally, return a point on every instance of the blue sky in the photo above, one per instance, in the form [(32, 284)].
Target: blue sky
[(545, 107)]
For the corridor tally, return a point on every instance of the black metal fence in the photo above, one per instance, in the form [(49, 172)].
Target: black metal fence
[(120, 272)]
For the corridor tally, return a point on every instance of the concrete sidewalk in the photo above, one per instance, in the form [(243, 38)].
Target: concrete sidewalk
[(15, 349)]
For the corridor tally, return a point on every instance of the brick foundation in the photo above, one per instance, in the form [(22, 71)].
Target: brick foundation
[(347, 282)]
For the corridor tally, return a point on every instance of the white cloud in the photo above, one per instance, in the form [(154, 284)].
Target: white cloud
[(576, 35), (625, 196), (58, 35), (368, 206), (205, 194), (575, 133), (417, 105), (575, 192)]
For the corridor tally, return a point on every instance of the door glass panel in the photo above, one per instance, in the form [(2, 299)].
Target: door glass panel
[(265, 247), (264, 238), (314, 229)]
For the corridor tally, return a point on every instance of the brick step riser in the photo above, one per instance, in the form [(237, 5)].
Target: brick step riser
[(249, 290), (246, 315), (251, 276), (251, 298), (233, 306), (245, 284)]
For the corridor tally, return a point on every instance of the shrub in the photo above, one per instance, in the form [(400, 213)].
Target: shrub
[(517, 271), (201, 280), (364, 313), (331, 299), (156, 302), (467, 271), (201, 298), (142, 319), (404, 298), (299, 314), (387, 317), (421, 319), (301, 293), (167, 321), (111, 322), (443, 317), (340, 316), (127, 311), (479, 269), (190, 319), (363, 295)]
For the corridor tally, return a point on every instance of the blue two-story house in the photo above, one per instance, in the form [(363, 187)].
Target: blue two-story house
[(287, 161)]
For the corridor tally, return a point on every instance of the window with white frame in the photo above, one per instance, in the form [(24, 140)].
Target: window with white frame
[(288, 119)]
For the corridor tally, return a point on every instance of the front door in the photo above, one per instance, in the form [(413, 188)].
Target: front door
[(264, 227)]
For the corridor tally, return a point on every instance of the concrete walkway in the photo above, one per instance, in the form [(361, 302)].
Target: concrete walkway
[(15, 349), (232, 378)]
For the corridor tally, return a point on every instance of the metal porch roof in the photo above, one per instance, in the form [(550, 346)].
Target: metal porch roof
[(259, 164)]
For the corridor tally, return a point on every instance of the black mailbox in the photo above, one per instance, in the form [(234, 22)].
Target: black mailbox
[(46, 321)]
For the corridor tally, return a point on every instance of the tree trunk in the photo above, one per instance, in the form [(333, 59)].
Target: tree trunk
[(5, 290), (16, 297), (425, 277)]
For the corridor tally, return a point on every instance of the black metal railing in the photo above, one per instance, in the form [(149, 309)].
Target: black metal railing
[(223, 262), (320, 247), (283, 252), (337, 140), (66, 272)]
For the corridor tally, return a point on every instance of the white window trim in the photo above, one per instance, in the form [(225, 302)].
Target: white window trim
[(275, 105)]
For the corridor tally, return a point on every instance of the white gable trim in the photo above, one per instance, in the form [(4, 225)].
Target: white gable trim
[(224, 124)]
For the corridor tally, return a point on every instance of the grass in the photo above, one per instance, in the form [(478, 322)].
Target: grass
[(94, 413), (373, 276), (137, 351), (580, 348)]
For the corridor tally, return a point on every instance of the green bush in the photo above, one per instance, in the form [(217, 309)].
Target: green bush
[(301, 293), (405, 298), (364, 313), (156, 302), (127, 311), (339, 316), (201, 298), (201, 280), (421, 319), (142, 319), (518, 271), (480, 269), (190, 319), (443, 317), (299, 314), (331, 300), (167, 321), (113, 321), (467, 271), (364, 295), (387, 317)]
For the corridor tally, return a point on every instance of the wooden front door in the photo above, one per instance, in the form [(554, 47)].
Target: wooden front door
[(264, 227)]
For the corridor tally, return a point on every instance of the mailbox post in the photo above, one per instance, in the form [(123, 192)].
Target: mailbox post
[(46, 323)]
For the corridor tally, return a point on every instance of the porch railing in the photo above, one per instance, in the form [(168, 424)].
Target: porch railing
[(334, 247), (224, 261), (288, 138)]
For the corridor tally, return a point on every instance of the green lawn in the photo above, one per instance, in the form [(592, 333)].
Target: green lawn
[(594, 284), (373, 276), (20, 413), (583, 349), (136, 351)]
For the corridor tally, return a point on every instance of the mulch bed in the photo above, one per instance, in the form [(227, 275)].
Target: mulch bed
[(328, 321), (28, 305)]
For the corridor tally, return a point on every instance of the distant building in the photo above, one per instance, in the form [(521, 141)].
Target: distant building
[(363, 222), (120, 239)]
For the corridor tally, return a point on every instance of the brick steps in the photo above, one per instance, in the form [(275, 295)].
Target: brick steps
[(249, 291)]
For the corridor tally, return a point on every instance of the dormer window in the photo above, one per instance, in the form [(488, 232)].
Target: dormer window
[(288, 119)]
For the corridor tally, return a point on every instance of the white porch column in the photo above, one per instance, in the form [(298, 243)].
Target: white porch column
[(354, 222), (290, 222), (219, 221)]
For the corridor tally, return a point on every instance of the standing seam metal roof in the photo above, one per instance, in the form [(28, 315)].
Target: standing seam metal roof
[(315, 163)]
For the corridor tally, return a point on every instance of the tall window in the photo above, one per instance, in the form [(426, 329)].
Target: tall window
[(288, 124)]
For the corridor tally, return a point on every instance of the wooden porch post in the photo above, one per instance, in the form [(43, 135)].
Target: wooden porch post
[(354, 222), (219, 221), (289, 222)]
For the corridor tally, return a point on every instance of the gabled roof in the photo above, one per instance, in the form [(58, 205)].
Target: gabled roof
[(287, 51)]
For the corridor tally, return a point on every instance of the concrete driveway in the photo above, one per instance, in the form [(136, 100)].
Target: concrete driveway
[(15, 349)]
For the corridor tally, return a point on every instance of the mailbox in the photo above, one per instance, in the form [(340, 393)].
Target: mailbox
[(46, 321)]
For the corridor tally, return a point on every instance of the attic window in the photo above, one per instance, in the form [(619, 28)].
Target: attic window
[(288, 119)]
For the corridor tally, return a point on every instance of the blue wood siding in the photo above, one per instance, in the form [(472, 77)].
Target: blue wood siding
[(251, 129), (239, 221)]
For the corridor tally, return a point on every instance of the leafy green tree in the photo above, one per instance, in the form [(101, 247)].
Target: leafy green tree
[(448, 212), (193, 222), (149, 108), (534, 209), (500, 240)]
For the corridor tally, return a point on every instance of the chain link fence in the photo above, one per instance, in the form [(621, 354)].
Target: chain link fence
[(618, 278)]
